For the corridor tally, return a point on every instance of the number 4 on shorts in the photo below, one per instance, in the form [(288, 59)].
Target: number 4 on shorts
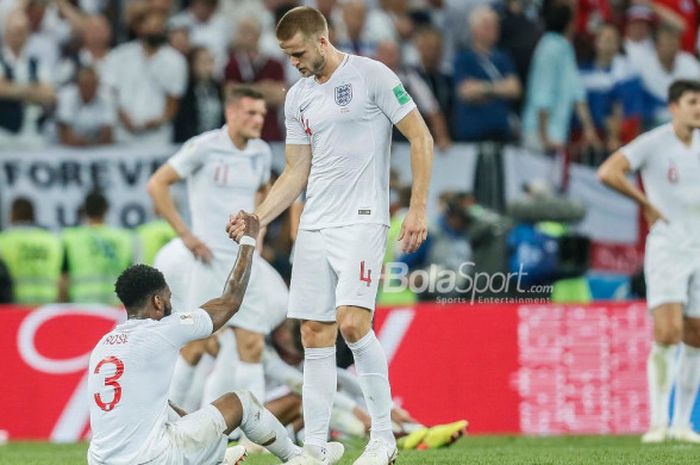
[(365, 278)]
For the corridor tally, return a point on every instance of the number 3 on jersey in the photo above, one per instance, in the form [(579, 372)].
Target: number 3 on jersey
[(110, 381)]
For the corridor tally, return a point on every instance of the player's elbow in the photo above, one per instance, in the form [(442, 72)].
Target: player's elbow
[(605, 173)]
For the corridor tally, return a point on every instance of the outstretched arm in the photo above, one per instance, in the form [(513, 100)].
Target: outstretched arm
[(222, 308), (283, 192)]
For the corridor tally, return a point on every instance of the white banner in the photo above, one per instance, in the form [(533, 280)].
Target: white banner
[(57, 179)]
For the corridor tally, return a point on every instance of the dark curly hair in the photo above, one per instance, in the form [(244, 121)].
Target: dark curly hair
[(136, 284)]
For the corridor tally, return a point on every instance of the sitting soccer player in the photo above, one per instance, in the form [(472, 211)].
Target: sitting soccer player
[(131, 367)]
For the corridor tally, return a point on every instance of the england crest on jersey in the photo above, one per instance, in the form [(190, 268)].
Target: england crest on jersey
[(343, 94)]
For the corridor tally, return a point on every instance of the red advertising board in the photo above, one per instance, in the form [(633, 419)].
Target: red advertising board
[(504, 367)]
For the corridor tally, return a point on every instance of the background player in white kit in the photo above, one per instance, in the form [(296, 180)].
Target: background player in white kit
[(339, 120), (668, 158), (228, 168), (131, 367)]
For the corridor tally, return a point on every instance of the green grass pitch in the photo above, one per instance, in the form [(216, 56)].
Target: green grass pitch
[(474, 450)]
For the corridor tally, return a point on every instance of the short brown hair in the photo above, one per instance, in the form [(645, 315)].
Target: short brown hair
[(309, 21), (239, 92), (680, 87)]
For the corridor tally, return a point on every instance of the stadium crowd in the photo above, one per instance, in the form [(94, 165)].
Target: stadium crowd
[(586, 74), (580, 78)]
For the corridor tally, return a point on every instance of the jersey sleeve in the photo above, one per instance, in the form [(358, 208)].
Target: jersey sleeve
[(387, 92), (186, 161), (637, 152), (180, 328), (296, 135)]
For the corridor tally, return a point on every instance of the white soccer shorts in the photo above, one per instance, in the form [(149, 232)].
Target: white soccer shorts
[(334, 267), (195, 439), (264, 303), (672, 269)]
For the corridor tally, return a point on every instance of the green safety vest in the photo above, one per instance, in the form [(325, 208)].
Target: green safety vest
[(34, 257), (96, 257), (152, 236), (394, 299)]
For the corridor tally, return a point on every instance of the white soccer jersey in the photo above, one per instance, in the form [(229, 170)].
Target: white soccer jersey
[(128, 379), (671, 174), (348, 122), (221, 179)]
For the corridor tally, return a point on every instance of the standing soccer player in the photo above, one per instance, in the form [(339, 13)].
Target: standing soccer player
[(130, 369), (339, 120), (225, 168), (668, 158)]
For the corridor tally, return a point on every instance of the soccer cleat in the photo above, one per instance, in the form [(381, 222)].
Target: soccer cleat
[(443, 435), (412, 440), (377, 452), (655, 436), (684, 435), (332, 455), (235, 455)]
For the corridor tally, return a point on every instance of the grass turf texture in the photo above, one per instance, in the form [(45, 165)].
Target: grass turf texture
[(479, 450)]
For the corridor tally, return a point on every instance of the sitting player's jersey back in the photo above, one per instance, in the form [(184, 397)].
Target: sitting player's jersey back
[(128, 379)]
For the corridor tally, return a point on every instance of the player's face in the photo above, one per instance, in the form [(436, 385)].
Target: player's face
[(246, 116), (306, 54), (687, 109)]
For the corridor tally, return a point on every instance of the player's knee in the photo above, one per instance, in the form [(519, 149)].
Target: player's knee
[(251, 348), (353, 327), (668, 335), (231, 408), (317, 334)]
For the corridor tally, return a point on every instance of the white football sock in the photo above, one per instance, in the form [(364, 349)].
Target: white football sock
[(660, 371), (261, 427), (320, 379), (373, 372), (250, 377), (182, 379), (688, 380), (221, 378), (194, 396)]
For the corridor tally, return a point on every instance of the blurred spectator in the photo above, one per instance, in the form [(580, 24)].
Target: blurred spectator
[(152, 236), (51, 24), (659, 68), (389, 54), (683, 15), (5, 284), (448, 246), (85, 114), (33, 256), (201, 108), (206, 28), (247, 65), (24, 86), (148, 78), (638, 31), (613, 88), (96, 38), (359, 29), (519, 36), (485, 84), (179, 39), (555, 88), (95, 255), (429, 44)]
